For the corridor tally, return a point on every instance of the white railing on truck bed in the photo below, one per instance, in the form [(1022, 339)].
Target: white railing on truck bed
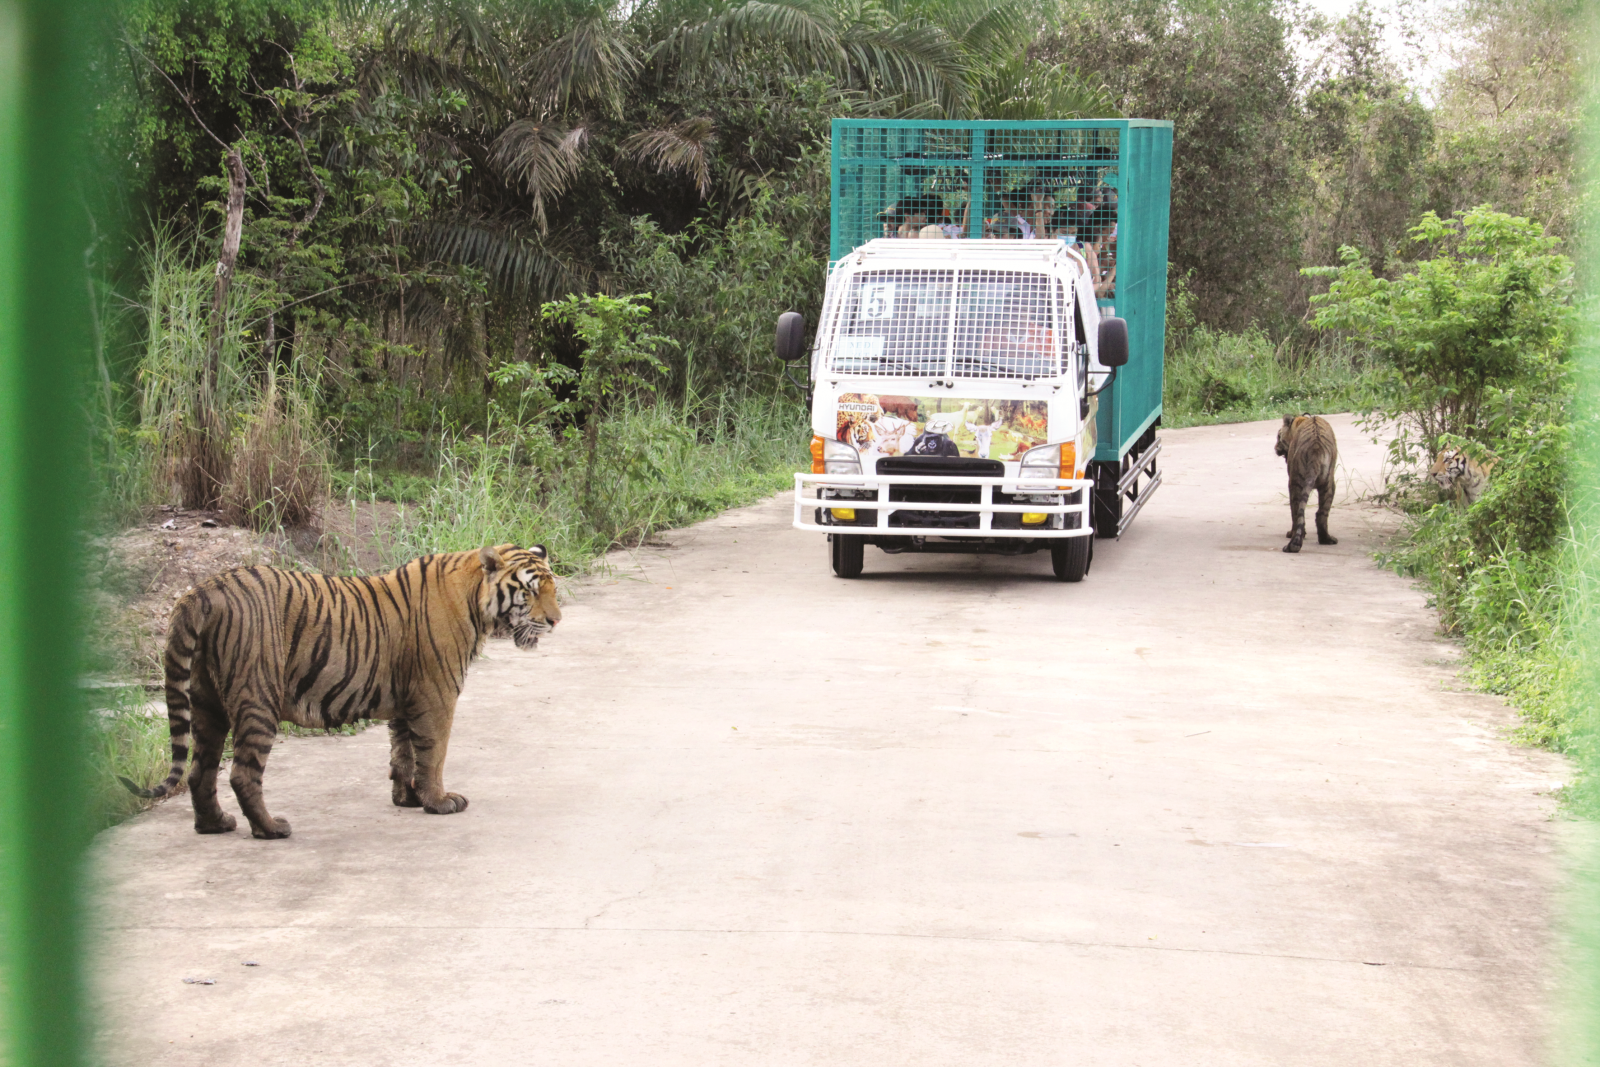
[(879, 485)]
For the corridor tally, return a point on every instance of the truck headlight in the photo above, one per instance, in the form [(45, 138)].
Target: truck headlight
[(1042, 463), (1051, 461), (840, 458)]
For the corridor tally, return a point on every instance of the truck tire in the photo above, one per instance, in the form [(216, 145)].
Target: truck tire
[(1107, 509), (1070, 556), (849, 555)]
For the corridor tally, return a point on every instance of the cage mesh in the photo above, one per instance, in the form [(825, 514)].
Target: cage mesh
[(990, 324), (920, 182)]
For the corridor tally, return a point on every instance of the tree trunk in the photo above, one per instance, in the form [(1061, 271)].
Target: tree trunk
[(205, 464), (230, 255)]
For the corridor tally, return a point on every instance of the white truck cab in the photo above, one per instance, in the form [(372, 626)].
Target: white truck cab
[(954, 399)]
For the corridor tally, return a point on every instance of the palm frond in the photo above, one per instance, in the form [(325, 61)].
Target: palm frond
[(917, 61), (454, 30), (593, 62), (517, 262), (683, 148), (542, 157), (802, 30), (1018, 90)]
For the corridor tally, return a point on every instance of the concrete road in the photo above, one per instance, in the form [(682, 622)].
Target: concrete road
[(1215, 805)]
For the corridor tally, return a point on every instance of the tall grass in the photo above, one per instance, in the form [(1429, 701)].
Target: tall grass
[(1215, 376), (661, 466), (253, 444), (130, 738)]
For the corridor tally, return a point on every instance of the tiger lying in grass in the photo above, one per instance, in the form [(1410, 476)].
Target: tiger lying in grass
[(256, 646), (1461, 476)]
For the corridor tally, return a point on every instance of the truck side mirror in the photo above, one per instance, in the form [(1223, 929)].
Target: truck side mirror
[(791, 336), (1113, 342)]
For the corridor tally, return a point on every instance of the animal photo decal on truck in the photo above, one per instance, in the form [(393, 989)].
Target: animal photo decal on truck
[(940, 426)]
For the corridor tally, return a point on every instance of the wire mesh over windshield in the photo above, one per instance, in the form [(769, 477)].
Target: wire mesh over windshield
[(1004, 326), (991, 324), (894, 323)]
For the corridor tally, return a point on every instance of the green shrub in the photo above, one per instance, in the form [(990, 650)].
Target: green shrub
[(1216, 376)]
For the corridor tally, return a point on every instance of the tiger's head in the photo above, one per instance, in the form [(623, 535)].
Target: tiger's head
[(1448, 468), (1284, 432), (518, 595)]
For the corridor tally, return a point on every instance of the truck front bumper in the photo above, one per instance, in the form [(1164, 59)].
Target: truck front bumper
[(911, 505)]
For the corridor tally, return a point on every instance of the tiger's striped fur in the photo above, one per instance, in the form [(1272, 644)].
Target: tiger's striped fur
[(1308, 444), (256, 646), (1461, 476)]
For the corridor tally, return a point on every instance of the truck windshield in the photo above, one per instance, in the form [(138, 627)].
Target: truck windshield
[(947, 323)]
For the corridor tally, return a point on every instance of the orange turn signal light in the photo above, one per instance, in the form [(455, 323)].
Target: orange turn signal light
[(1069, 459), (816, 456)]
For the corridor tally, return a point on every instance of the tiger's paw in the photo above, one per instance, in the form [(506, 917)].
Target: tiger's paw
[(280, 828), (222, 824), (404, 795), (449, 804), (1292, 546), (1327, 539)]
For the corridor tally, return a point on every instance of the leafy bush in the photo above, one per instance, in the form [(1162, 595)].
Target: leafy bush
[(1465, 340), (719, 293), (1473, 352)]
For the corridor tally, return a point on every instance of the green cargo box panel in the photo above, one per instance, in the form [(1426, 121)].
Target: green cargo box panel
[(1105, 183)]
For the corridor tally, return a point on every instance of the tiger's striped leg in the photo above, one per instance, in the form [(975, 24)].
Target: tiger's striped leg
[(402, 764), (255, 729), (1324, 508), (210, 734), (430, 739), (1298, 492)]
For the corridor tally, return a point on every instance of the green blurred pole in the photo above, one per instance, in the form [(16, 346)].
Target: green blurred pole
[(43, 343)]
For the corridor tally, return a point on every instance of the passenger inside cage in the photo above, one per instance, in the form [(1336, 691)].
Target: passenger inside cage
[(1101, 249), (911, 217), (1088, 222), (1025, 211)]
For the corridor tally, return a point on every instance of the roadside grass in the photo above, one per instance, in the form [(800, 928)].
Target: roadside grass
[(1216, 377), (660, 466), (1521, 616), (130, 739)]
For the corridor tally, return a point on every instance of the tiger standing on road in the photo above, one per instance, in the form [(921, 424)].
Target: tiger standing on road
[(1307, 442), (256, 646)]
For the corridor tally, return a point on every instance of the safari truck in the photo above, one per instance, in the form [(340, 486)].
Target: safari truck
[(986, 373)]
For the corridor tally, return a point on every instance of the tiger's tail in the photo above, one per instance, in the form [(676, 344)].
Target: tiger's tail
[(183, 638)]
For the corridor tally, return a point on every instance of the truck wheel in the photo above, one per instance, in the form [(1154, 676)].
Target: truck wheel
[(1107, 507), (849, 554), (1069, 557)]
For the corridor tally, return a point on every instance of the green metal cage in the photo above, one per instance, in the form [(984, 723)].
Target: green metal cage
[(1104, 185)]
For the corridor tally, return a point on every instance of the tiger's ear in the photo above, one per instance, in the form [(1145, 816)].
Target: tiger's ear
[(1288, 420), (540, 551), (492, 563)]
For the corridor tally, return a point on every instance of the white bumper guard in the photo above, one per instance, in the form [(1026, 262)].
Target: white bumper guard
[(871, 492)]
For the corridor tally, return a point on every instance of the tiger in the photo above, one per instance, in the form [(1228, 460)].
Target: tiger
[(1461, 476), (856, 428), (1307, 443), (255, 646)]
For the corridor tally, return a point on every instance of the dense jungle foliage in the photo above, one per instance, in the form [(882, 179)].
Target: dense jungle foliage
[(516, 263)]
